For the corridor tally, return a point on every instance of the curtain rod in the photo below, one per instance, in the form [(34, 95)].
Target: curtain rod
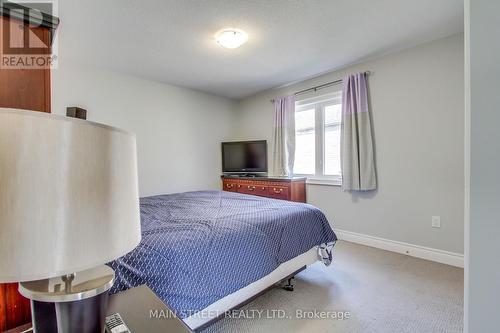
[(321, 86)]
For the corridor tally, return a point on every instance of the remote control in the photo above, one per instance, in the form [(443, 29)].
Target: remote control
[(115, 324)]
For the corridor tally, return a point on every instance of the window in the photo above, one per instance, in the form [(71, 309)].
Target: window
[(317, 139), (305, 137)]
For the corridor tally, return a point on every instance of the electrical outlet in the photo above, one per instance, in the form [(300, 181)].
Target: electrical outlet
[(436, 221)]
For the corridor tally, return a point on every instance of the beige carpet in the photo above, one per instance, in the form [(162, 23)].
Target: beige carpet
[(383, 291)]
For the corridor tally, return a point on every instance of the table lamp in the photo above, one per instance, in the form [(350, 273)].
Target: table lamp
[(69, 203)]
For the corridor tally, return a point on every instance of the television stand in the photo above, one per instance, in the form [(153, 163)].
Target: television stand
[(285, 188)]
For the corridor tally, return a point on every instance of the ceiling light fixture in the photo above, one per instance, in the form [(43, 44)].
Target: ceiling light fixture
[(231, 38)]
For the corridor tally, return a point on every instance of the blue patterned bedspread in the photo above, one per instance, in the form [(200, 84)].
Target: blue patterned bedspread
[(198, 247)]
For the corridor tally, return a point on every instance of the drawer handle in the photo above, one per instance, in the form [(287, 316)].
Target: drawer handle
[(229, 185), (251, 188), (277, 191)]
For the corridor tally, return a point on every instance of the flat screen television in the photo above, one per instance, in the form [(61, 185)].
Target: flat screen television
[(248, 157)]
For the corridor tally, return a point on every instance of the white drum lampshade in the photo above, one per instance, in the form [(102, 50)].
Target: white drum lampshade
[(68, 195), (69, 203)]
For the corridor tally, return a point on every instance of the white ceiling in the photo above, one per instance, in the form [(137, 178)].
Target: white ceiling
[(172, 40)]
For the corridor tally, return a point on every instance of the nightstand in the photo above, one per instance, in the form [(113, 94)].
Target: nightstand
[(26, 328), (143, 311)]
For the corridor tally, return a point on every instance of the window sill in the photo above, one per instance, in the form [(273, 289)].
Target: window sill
[(327, 182)]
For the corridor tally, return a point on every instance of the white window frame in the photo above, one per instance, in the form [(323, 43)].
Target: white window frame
[(319, 104)]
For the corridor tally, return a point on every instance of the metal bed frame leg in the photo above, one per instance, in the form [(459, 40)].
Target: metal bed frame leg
[(289, 286)]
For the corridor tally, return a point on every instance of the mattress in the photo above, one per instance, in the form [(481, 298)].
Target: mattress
[(219, 309), (198, 247)]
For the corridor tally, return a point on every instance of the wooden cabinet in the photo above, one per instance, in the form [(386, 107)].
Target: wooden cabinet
[(14, 308), (28, 89), (25, 88), (292, 189)]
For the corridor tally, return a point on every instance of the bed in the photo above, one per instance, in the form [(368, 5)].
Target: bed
[(206, 252)]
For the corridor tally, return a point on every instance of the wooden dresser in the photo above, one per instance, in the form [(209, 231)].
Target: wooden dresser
[(27, 88), (292, 189)]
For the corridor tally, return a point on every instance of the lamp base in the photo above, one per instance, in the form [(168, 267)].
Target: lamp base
[(84, 316), (73, 303)]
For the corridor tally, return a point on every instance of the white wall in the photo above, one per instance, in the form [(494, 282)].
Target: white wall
[(178, 130), (482, 283), (418, 106)]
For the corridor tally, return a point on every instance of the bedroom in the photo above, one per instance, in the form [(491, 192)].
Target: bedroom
[(407, 259)]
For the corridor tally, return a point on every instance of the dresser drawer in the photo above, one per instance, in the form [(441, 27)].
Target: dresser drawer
[(230, 186), (279, 192), (254, 188)]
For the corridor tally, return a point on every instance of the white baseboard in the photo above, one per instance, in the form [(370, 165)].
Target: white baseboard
[(444, 257)]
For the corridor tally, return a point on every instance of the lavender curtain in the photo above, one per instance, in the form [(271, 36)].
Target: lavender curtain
[(357, 150), (284, 135)]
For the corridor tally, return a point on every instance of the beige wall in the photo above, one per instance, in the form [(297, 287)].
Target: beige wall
[(178, 130), (418, 107)]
